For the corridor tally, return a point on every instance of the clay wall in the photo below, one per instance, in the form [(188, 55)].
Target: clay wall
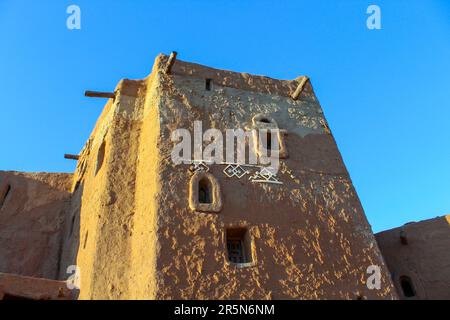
[(423, 259), (32, 207)]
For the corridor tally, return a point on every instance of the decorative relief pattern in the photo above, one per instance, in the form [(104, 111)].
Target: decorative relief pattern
[(257, 174), (235, 170), (198, 166), (265, 176)]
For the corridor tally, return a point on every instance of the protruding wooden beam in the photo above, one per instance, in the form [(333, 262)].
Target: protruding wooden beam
[(170, 62), (97, 94), (71, 157), (299, 89)]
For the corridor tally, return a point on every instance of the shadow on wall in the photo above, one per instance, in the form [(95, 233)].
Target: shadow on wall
[(70, 237)]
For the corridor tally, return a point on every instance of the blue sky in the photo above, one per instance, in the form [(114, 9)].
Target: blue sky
[(386, 93)]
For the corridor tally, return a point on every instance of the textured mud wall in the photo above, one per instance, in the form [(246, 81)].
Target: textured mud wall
[(133, 235), (31, 222), (82, 220), (425, 259), (311, 238), (145, 244), (20, 287), (103, 205)]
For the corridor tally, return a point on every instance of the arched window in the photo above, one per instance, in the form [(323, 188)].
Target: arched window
[(266, 127), (264, 121), (407, 287), (204, 193)]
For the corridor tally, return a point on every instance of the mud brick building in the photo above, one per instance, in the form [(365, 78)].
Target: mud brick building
[(140, 227)]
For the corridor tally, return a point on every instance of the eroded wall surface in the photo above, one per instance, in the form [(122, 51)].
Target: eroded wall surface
[(31, 222), (423, 257), (98, 220), (310, 235)]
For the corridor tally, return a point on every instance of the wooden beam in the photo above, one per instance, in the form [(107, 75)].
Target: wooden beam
[(97, 94), (71, 157), (170, 62), (299, 89)]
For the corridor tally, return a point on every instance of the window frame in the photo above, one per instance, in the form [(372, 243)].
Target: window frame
[(215, 193), (243, 234), (266, 128)]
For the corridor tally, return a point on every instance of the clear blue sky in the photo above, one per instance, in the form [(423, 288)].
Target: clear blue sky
[(386, 93)]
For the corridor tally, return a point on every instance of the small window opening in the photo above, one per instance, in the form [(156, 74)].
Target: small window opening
[(269, 141), (407, 287), (403, 238), (204, 191), (265, 120), (100, 157), (238, 245), (266, 137), (208, 84), (4, 195)]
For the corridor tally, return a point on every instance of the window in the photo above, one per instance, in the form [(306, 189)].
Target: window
[(208, 84), (235, 250), (100, 157), (266, 132), (204, 193), (239, 245), (268, 140), (403, 238), (4, 194), (407, 287), (264, 121)]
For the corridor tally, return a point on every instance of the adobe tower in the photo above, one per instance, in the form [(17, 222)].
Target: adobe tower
[(139, 226)]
